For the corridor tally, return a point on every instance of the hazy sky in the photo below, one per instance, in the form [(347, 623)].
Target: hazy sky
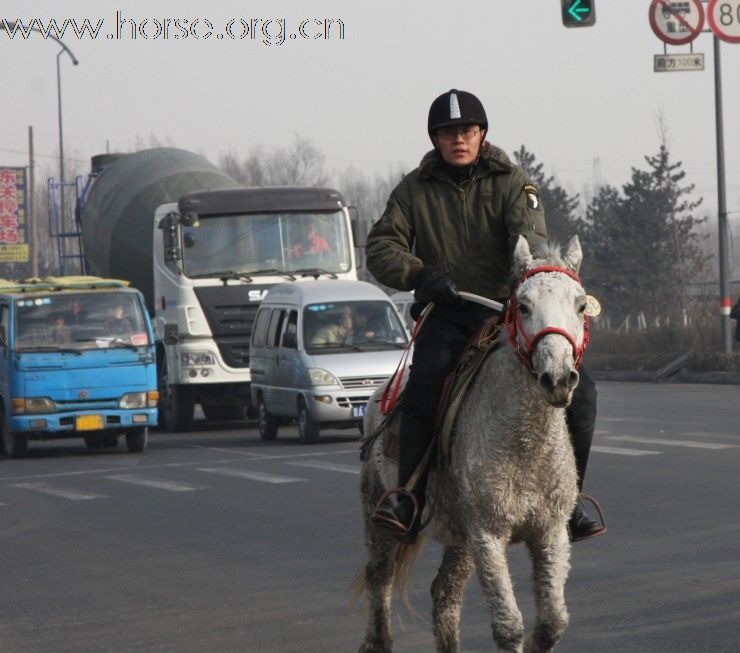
[(570, 95)]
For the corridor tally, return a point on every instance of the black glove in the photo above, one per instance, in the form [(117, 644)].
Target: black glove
[(431, 285)]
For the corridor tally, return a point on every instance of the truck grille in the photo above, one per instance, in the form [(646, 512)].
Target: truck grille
[(87, 404), (362, 382)]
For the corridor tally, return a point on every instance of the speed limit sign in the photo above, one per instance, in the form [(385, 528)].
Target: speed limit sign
[(724, 19)]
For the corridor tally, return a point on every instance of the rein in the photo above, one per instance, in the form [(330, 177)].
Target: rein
[(513, 323)]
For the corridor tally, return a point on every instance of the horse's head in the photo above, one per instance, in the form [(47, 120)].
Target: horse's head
[(546, 319)]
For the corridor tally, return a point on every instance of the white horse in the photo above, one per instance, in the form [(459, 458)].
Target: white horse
[(511, 473)]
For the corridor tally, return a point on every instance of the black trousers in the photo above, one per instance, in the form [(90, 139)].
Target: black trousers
[(442, 339)]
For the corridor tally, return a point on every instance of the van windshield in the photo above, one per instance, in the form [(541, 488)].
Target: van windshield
[(352, 326), (78, 321)]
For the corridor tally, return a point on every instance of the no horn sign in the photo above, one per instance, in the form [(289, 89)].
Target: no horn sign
[(677, 21)]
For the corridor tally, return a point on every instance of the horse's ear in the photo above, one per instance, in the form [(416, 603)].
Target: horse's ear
[(523, 260), (573, 254)]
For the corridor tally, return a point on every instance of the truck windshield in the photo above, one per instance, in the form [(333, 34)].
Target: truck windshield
[(267, 244), (352, 326), (77, 321)]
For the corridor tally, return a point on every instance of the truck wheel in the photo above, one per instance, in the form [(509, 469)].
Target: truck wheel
[(268, 425), (178, 407), (308, 430), (16, 444), (92, 441), (136, 439)]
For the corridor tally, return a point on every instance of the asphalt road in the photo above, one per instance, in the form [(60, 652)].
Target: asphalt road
[(216, 541)]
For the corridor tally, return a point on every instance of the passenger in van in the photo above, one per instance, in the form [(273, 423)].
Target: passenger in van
[(344, 332)]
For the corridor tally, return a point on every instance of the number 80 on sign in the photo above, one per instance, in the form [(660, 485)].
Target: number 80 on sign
[(724, 19)]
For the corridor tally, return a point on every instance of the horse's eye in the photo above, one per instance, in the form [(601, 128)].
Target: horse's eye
[(524, 309), (582, 308)]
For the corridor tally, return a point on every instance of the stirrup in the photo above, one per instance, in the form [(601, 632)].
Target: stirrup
[(385, 518), (601, 531)]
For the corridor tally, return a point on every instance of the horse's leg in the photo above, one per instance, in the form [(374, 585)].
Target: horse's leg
[(447, 597), (550, 558), (379, 572), (489, 553)]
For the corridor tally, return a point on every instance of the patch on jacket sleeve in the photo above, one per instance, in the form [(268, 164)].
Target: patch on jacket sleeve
[(533, 197)]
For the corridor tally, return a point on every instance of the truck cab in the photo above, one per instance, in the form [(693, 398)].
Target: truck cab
[(76, 360)]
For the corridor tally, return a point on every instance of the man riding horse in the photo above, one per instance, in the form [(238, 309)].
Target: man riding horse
[(451, 225)]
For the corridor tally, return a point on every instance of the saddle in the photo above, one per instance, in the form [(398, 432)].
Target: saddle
[(454, 388)]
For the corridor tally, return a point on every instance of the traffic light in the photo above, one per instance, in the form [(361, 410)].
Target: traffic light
[(578, 13)]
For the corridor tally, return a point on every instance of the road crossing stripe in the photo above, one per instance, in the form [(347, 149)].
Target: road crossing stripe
[(674, 443), (254, 476), (171, 486), (323, 464), (45, 488), (624, 452)]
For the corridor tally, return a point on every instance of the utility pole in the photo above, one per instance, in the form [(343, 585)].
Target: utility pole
[(33, 232)]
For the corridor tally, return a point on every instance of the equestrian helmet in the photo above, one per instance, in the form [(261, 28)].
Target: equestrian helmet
[(456, 108)]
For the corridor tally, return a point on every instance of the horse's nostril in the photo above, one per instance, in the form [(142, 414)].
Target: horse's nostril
[(546, 381), (573, 379)]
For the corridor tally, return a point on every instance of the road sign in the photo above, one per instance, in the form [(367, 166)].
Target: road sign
[(724, 19), (676, 22), (667, 63), (578, 13)]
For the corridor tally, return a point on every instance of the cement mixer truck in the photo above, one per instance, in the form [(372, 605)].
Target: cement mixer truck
[(204, 252)]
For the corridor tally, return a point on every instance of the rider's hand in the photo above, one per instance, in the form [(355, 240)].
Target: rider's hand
[(431, 285)]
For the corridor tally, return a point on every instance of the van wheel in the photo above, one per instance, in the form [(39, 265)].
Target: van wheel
[(308, 430), (268, 425), (136, 439)]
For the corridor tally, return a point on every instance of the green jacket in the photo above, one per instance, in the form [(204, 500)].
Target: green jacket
[(467, 230)]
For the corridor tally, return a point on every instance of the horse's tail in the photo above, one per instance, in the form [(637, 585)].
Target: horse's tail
[(403, 565), (406, 555)]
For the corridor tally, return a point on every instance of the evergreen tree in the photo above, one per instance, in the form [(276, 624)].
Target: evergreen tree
[(642, 248), (560, 208)]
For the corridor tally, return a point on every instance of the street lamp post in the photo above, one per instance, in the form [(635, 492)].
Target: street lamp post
[(10, 26)]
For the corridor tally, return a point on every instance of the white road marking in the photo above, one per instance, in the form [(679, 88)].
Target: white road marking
[(171, 486), (322, 464), (624, 452), (45, 488), (254, 476), (674, 443)]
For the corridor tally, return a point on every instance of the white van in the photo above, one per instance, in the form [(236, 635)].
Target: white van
[(318, 351)]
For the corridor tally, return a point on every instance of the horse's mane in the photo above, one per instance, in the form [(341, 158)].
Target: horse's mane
[(548, 254)]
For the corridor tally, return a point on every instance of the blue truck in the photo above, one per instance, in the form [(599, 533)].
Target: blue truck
[(77, 359)]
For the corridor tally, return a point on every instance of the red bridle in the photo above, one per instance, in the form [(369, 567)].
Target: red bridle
[(513, 323)]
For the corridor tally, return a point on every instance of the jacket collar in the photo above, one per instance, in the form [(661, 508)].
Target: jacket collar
[(492, 159)]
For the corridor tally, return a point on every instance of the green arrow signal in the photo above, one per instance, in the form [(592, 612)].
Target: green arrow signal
[(575, 9)]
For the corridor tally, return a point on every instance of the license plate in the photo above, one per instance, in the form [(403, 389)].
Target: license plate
[(358, 411), (89, 422)]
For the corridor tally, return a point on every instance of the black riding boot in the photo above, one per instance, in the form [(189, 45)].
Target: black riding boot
[(581, 417), (399, 511)]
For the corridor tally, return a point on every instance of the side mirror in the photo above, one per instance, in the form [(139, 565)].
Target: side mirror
[(358, 234)]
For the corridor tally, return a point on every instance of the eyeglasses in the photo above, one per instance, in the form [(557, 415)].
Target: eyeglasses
[(451, 133)]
